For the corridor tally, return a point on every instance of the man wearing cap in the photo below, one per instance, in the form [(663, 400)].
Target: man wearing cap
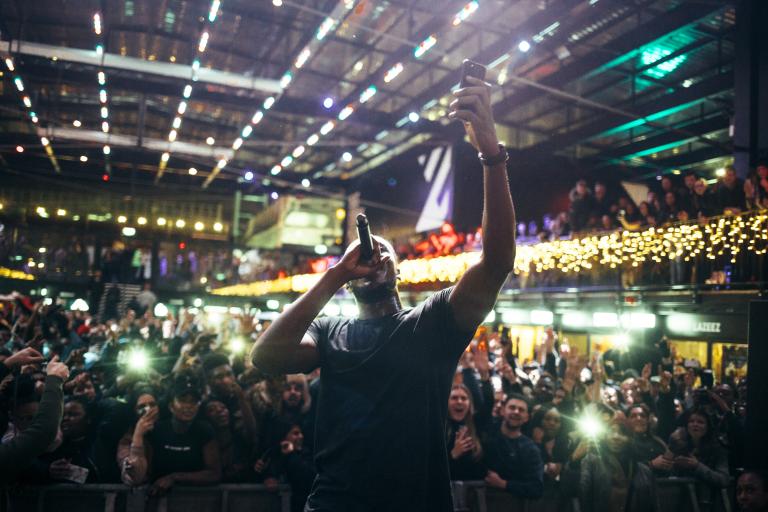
[(386, 375)]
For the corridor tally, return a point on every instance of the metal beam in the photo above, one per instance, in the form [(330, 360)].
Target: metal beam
[(141, 66), (567, 9), (626, 46), (290, 106), (647, 113), (665, 140), (626, 75), (98, 137), (681, 161), (433, 25)]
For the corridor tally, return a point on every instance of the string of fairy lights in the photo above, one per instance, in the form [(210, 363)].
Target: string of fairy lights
[(26, 100), (719, 237), (9, 273), (181, 109), (328, 24)]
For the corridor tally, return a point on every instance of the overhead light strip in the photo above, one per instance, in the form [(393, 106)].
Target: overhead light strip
[(186, 93), (328, 24), (26, 100), (431, 41), (101, 78), (391, 74)]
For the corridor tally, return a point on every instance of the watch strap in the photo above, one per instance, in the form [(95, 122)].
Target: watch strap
[(501, 157)]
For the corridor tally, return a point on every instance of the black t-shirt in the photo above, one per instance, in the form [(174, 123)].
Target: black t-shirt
[(178, 453), (731, 197), (382, 408)]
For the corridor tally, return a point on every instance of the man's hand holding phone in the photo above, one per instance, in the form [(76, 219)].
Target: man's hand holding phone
[(472, 105)]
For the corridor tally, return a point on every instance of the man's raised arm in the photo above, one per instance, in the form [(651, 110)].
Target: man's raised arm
[(285, 347), (477, 290)]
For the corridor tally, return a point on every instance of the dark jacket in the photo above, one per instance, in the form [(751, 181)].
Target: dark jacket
[(646, 447), (598, 475), (518, 461), (731, 197), (34, 440), (465, 467)]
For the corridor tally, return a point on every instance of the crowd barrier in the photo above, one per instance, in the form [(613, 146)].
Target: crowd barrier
[(121, 498), (675, 495)]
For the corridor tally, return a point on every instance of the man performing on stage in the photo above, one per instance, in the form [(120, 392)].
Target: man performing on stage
[(386, 376)]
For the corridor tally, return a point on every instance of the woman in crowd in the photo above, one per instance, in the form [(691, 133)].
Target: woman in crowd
[(549, 434), (699, 455), (669, 210), (611, 479), (130, 451), (235, 451), (646, 212), (702, 202), (584, 443), (462, 438)]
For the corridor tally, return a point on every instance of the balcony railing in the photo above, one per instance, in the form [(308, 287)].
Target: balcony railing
[(726, 250)]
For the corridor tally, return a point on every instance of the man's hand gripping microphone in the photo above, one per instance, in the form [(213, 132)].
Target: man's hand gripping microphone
[(364, 234)]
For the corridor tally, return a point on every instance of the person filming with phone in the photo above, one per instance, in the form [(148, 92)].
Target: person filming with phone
[(386, 375)]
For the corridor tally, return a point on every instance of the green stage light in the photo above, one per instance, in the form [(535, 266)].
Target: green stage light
[(651, 55)]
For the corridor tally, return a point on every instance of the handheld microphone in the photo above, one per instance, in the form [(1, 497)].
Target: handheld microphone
[(364, 234)]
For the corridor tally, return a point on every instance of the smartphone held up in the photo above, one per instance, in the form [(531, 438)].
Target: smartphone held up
[(473, 69)]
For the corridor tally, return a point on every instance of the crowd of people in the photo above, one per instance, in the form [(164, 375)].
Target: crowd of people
[(192, 264), (689, 198), (602, 208), (172, 401), (693, 199), (103, 256)]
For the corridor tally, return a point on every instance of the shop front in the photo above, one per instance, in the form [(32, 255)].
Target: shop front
[(711, 341)]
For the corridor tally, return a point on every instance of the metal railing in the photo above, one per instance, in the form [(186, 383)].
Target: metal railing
[(122, 498), (675, 495)]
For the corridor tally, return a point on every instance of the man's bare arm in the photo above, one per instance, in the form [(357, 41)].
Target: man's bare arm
[(477, 290)]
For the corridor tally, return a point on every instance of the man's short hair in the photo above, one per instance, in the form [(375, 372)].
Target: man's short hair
[(519, 397), (761, 474), (214, 360)]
